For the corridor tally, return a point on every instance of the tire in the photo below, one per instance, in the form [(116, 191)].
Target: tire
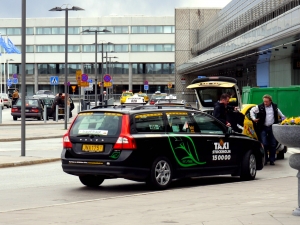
[(39, 118), (248, 168), (280, 155), (15, 118), (160, 173), (91, 181)]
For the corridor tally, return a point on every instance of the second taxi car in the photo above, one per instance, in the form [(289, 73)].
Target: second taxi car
[(155, 146), (124, 96)]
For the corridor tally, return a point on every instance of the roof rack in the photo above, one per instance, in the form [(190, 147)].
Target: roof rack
[(125, 105), (162, 106)]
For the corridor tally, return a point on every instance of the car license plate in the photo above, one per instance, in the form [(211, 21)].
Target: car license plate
[(92, 148), (27, 110)]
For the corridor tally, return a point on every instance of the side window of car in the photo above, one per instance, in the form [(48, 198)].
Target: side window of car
[(149, 122), (208, 125), (180, 122), (248, 114)]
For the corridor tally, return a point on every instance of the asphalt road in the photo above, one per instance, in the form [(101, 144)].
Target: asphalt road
[(46, 184)]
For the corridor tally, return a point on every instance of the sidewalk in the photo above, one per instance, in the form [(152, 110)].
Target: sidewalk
[(259, 202), (33, 132)]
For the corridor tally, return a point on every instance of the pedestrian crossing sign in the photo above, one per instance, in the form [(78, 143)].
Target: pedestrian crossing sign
[(54, 80)]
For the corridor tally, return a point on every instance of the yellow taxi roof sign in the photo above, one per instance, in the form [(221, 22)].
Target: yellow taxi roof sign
[(205, 84)]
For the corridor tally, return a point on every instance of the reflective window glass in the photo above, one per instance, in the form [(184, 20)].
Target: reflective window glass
[(158, 29), (167, 29), (149, 68), (151, 48), (3, 31), (166, 68), (29, 30), (58, 30), (157, 68), (74, 30), (151, 29), (158, 48), (29, 69), (167, 48), (13, 31), (150, 122)]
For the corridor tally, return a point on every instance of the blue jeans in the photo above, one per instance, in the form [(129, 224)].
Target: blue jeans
[(268, 140)]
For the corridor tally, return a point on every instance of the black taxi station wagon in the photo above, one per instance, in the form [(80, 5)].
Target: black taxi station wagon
[(155, 146)]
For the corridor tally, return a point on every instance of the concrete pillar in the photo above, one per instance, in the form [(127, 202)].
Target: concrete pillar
[(130, 77), (36, 78)]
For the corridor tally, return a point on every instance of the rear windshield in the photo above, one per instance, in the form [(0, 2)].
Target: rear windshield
[(97, 123), (209, 96), (28, 102)]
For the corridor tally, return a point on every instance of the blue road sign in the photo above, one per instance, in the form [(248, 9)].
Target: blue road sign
[(15, 75), (146, 87), (15, 80), (54, 80), (9, 82), (90, 81), (84, 77)]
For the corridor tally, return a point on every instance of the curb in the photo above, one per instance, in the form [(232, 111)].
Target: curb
[(30, 138), (30, 162)]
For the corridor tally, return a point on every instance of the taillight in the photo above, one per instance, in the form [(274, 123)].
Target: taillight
[(66, 141), (152, 102), (125, 140), (66, 138), (14, 110)]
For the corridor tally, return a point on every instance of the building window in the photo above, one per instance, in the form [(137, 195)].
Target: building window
[(113, 30), (73, 68), (153, 48), (13, 31), (29, 69), (57, 48), (29, 31), (88, 48), (43, 30), (74, 30), (29, 48), (58, 30), (157, 69), (121, 30), (3, 31), (153, 29)]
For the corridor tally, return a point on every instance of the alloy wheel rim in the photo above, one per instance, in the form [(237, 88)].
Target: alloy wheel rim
[(252, 165), (162, 172)]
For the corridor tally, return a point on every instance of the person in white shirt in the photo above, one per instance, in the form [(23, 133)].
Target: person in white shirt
[(265, 115)]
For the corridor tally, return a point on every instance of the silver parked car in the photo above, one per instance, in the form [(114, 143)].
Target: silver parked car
[(6, 101)]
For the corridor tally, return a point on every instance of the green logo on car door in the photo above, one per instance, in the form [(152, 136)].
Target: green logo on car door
[(184, 151)]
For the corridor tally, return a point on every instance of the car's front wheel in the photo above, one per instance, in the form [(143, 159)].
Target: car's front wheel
[(91, 181), (160, 173), (248, 168)]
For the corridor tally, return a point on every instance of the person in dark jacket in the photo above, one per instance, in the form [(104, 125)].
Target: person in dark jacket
[(221, 109), (57, 101), (265, 115)]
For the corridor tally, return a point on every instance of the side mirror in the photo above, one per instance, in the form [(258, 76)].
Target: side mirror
[(229, 131)]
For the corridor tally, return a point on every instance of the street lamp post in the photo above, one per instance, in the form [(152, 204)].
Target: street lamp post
[(66, 9), (7, 71), (96, 51)]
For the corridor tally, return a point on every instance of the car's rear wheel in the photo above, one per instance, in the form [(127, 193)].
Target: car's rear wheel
[(15, 118), (91, 181), (248, 168), (160, 173)]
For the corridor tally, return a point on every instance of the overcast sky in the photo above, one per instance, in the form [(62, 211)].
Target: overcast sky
[(39, 8)]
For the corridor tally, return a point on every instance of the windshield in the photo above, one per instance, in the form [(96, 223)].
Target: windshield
[(28, 102), (209, 96), (97, 123)]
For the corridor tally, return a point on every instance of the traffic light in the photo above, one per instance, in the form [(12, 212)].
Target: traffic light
[(99, 84)]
